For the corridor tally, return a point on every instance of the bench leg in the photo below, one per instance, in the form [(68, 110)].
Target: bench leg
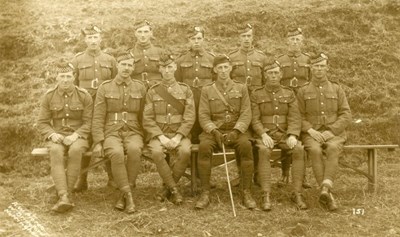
[(372, 169), (193, 167)]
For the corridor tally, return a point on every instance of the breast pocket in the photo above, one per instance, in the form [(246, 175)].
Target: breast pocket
[(76, 110), (106, 69), (134, 102), (160, 106), (56, 110), (85, 71), (265, 105), (153, 63), (331, 99), (311, 102), (113, 102), (287, 70), (216, 105), (187, 70), (284, 105), (238, 69), (235, 99)]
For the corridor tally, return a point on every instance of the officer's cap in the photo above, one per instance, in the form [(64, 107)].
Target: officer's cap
[(244, 28), (166, 59), (91, 30), (123, 54), (271, 64), (194, 30), (293, 31), (317, 57), (142, 23), (63, 66), (222, 58)]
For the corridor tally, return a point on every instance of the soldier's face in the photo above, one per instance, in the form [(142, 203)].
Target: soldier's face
[(295, 42), (65, 80), (93, 41), (168, 71), (126, 67), (223, 70), (144, 34), (320, 69), (196, 41), (273, 76), (246, 39)]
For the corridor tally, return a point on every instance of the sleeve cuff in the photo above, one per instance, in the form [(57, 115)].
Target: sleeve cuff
[(209, 127), (241, 127)]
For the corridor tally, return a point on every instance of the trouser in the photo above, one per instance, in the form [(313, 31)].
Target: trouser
[(324, 157), (64, 181), (264, 166), (244, 153), (196, 129), (116, 145), (179, 159)]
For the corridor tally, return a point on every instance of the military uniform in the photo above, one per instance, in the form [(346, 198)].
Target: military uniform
[(65, 113), (248, 67), (276, 113), (195, 70), (324, 107), (162, 118), (295, 68)]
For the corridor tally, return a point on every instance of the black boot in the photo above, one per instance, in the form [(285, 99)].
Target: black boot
[(203, 201), (266, 202), (129, 204), (176, 196), (332, 205), (298, 199), (63, 204), (248, 200), (164, 194), (120, 205)]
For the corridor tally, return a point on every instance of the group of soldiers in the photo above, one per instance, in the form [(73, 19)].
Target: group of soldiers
[(116, 105)]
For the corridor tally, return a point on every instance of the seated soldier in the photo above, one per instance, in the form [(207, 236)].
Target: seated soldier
[(117, 128), (168, 117), (277, 122), (65, 120)]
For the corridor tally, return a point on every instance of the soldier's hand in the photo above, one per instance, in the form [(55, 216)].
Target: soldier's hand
[(68, 140), (291, 141), (231, 137), (219, 137), (316, 135), (57, 138), (98, 151), (174, 142), (267, 140), (164, 141), (327, 135)]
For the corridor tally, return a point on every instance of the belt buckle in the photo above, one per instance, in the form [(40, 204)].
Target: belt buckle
[(196, 82), (95, 83), (168, 118), (63, 122), (124, 117), (228, 117), (294, 82), (275, 119), (144, 78), (323, 117), (249, 79)]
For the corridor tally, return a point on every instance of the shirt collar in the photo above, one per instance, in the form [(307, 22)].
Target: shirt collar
[(68, 92), (322, 82), (247, 51), (143, 46), (228, 85), (119, 80), (294, 54), (272, 88), (197, 52), (93, 53)]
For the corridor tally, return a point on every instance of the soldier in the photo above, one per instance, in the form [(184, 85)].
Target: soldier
[(225, 111), (195, 69), (247, 61), (325, 115), (277, 122), (296, 73), (65, 120), (92, 67), (168, 117), (117, 127), (147, 55)]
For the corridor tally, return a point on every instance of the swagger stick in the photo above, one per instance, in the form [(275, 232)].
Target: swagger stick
[(228, 180)]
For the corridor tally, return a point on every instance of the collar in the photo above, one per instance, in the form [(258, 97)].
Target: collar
[(247, 51), (271, 89), (294, 54), (119, 80), (68, 92), (224, 87), (93, 53), (322, 82), (143, 46), (169, 84), (196, 52)]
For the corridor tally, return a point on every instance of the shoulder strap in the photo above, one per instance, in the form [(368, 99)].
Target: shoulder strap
[(161, 91), (230, 107)]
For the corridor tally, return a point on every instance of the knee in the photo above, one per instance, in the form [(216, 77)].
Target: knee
[(134, 150), (314, 151), (185, 151), (116, 155), (157, 156), (75, 152), (332, 148), (298, 152), (205, 151)]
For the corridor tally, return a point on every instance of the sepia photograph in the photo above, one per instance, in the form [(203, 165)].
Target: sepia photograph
[(199, 118)]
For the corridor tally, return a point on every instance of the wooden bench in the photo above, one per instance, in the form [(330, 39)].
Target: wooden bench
[(371, 151)]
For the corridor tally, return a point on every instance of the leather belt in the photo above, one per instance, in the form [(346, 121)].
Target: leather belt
[(122, 116), (168, 119), (275, 119), (322, 119)]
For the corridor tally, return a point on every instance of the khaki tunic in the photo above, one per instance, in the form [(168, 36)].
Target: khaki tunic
[(295, 69)]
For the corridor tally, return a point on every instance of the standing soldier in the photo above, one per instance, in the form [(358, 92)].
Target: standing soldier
[(195, 69), (92, 67), (65, 120), (168, 117), (225, 115), (147, 56), (296, 73), (247, 61), (325, 115), (277, 122), (117, 127)]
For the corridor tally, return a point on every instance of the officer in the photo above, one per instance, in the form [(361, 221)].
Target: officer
[(117, 127), (276, 121), (225, 115), (325, 115), (168, 117), (296, 73), (247, 61), (195, 69), (147, 55), (92, 67), (65, 120)]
